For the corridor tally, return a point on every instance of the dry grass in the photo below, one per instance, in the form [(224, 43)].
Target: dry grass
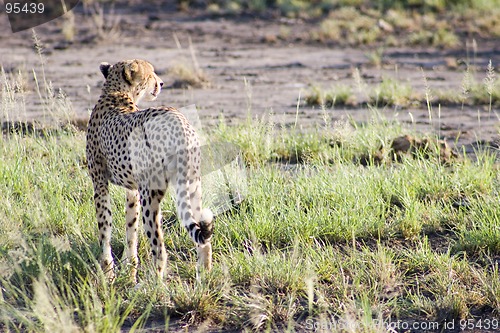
[(106, 24), (187, 76)]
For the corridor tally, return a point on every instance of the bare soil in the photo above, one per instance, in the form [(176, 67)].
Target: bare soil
[(253, 70)]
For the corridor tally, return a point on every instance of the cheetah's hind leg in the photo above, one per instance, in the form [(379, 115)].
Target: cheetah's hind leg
[(151, 219), (104, 219), (132, 222)]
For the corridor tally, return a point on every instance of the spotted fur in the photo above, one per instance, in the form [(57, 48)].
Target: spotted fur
[(144, 151)]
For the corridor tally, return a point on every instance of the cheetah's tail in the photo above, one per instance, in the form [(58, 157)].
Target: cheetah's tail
[(206, 225)]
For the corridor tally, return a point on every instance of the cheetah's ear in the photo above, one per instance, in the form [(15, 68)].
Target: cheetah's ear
[(130, 72), (104, 67)]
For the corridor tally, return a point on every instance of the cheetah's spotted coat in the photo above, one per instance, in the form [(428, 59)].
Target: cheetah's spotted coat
[(144, 151)]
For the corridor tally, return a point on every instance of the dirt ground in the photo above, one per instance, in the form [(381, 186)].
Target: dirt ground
[(251, 69)]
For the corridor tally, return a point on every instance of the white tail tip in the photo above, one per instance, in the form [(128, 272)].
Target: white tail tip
[(206, 216)]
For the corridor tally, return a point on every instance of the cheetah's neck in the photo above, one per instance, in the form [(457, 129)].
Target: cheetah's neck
[(115, 102)]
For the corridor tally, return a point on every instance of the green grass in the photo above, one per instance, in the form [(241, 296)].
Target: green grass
[(399, 93), (392, 92), (328, 240), (295, 7), (436, 23), (337, 96), (318, 240)]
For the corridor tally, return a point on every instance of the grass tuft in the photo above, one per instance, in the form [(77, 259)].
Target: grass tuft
[(337, 96), (185, 76)]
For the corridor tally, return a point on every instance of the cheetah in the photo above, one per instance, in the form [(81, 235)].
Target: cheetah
[(144, 151)]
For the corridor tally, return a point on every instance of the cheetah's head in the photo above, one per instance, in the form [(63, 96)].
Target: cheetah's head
[(136, 77)]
